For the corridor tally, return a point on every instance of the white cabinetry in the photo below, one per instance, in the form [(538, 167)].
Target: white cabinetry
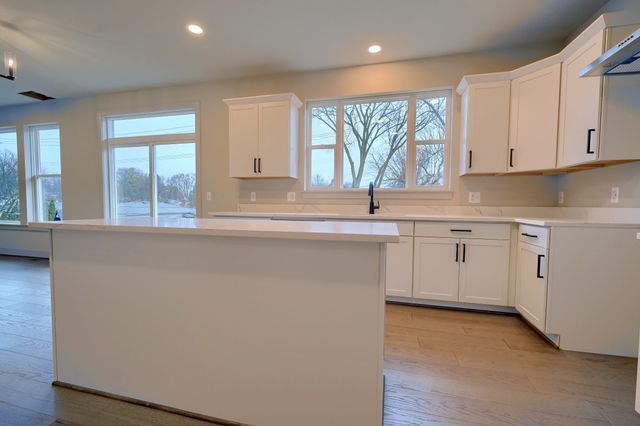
[(598, 115), (485, 128), (533, 135), (263, 136), (399, 270), (531, 280), (470, 270)]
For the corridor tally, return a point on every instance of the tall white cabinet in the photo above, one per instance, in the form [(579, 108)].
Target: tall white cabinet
[(485, 127), (263, 134), (533, 135)]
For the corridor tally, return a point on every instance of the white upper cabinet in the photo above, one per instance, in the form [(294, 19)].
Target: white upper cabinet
[(533, 135), (580, 105), (263, 134), (485, 128), (598, 115)]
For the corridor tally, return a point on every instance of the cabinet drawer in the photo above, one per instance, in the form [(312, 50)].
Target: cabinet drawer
[(534, 235), (492, 231)]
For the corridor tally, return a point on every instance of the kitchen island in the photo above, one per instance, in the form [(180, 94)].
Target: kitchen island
[(255, 322)]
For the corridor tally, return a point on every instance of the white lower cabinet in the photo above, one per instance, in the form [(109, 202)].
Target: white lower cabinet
[(484, 272), (399, 270), (435, 268), (531, 284)]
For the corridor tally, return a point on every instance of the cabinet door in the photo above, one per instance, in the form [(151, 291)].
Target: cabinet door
[(435, 268), (580, 101), (485, 128), (531, 284), (533, 139), (399, 270), (243, 139), (484, 272), (275, 133)]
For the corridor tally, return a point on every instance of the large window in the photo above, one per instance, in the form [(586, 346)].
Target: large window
[(46, 171), (396, 142), (9, 186), (151, 164)]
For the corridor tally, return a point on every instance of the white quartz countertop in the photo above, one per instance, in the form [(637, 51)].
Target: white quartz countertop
[(536, 221), (299, 230)]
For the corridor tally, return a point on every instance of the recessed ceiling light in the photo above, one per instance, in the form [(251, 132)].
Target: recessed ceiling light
[(375, 48), (195, 29)]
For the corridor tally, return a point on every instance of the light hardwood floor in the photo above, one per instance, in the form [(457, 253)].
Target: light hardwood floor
[(441, 367)]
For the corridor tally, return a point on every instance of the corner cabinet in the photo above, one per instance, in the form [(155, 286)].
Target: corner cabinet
[(485, 127), (263, 134), (533, 136), (531, 279), (598, 115)]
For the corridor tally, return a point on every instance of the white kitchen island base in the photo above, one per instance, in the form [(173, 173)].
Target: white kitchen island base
[(264, 331)]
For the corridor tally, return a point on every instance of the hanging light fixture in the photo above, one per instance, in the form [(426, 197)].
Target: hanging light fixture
[(10, 66)]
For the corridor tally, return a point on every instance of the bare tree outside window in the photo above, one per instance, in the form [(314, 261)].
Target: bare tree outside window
[(374, 143)]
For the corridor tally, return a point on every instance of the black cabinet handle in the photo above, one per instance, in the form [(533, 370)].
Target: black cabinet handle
[(457, 250), (259, 165), (529, 235), (254, 166), (470, 158), (511, 156), (589, 133), (460, 230), (538, 275), (464, 252)]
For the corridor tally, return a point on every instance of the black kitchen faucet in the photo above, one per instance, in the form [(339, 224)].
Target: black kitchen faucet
[(372, 206)]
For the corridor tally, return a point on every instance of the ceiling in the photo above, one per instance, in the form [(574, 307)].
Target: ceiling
[(68, 48)]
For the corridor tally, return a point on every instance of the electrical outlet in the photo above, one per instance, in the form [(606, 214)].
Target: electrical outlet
[(474, 197), (291, 196), (208, 196), (638, 236), (252, 196), (615, 195), (561, 197)]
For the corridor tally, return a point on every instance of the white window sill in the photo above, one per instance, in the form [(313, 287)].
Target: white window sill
[(380, 194)]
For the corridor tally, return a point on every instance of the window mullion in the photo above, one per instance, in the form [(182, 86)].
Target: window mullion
[(411, 145), (339, 146), (153, 196)]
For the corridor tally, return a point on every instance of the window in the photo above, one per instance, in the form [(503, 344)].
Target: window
[(9, 186), (159, 145), (46, 171), (398, 142)]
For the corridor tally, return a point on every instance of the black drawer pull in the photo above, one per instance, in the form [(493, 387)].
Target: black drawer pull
[(589, 132), (457, 250), (529, 235), (464, 252), (538, 274), (460, 230), (259, 165), (254, 166), (470, 158), (511, 157)]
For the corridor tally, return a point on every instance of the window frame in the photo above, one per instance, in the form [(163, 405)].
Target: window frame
[(35, 176), (109, 143), (412, 142), (21, 192)]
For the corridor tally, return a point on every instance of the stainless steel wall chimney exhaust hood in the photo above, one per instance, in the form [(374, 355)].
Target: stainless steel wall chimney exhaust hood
[(623, 58)]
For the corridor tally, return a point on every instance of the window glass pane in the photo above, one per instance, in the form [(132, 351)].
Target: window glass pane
[(9, 189), (49, 150), (176, 179), (323, 125), (154, 125), (431, 116), (50, 198), (322, 166), (430, 164), (375, 144), (131, 165)]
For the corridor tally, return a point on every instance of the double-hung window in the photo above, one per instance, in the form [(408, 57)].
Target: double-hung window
[(150, 164), (397, 142), (9, 182), (46, 171)]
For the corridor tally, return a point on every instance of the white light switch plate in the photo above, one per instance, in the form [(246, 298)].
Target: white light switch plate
[(291, 196), (208, 196), (474, 197), (615, 195), (252, 196), (560, 197)]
